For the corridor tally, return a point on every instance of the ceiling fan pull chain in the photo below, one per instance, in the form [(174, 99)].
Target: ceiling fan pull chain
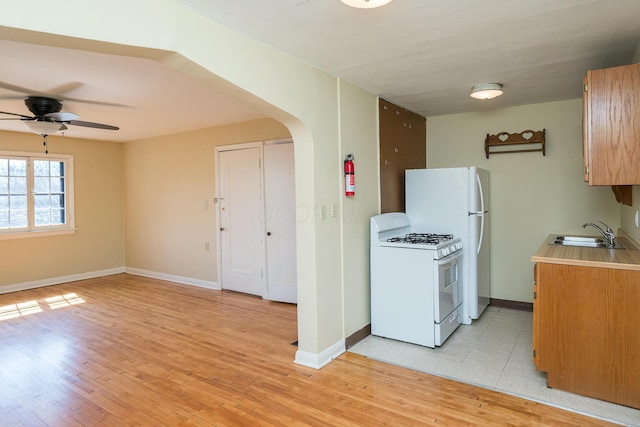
[(44, 142)]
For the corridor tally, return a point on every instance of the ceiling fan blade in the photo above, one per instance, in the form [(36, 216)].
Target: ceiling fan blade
[(58, 93), (14, 114), (91, 125), (86, 101), (62, 117), (64, 88), (12, 98), (15, 88)]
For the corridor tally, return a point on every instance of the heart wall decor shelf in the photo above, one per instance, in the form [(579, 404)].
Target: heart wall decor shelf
[(524, 142)]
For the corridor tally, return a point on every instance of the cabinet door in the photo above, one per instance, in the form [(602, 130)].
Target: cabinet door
[(586, 134), (536, 316), (612, 126), (544, 304), (586, 325)]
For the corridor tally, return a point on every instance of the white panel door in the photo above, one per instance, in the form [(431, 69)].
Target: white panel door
[(241, 223), (280, 221)]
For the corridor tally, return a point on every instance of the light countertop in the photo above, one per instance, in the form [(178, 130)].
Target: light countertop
[(625, 259)]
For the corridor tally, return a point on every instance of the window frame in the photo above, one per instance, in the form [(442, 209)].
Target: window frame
[(51, 230)]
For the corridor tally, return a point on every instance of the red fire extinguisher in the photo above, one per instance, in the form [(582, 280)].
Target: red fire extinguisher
[(349, 176)]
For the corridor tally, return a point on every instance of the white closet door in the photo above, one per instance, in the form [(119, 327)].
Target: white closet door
[(280, 222), (241, 221)]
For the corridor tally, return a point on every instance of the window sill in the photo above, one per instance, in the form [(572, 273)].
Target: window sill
[(29, 234)]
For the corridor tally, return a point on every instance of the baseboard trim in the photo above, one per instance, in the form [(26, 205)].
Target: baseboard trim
[(357, 336), (58, 280), (317, 361), (93, 274), (513, 305), (172, 278)]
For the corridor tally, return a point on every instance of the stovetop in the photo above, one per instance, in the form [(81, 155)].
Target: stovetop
[(421, 238), (392, 230), (440, 245)]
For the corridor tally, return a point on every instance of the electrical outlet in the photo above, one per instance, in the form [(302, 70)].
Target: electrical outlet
[(636, 219), (206, 205)]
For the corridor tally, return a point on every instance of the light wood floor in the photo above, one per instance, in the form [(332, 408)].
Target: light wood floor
[(124, 350)]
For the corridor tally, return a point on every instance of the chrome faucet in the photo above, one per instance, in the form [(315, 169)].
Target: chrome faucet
[(608, 234)]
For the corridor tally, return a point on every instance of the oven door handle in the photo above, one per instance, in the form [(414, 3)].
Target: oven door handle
[(449, 259)]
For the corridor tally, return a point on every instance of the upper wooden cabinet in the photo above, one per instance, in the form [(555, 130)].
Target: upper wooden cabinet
[(611, 126)]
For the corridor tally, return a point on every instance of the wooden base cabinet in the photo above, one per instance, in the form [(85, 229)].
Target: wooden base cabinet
[(586, 333)]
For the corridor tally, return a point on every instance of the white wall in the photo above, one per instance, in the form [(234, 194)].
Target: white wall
[(358, 136), (531, 195)]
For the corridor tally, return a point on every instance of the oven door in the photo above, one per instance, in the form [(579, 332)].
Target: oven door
[(447, 285)]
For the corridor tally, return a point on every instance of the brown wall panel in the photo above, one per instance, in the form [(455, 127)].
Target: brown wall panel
[(403, 145)]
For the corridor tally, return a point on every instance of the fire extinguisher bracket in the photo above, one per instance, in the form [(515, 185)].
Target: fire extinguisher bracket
[(349, 176)]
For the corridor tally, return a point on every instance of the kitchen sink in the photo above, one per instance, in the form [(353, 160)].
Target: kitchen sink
[(586, 242), (580, 239)]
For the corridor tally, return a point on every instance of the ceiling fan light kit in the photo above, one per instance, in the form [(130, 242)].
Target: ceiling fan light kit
[(365, 4), (486, 90), (44, 127)]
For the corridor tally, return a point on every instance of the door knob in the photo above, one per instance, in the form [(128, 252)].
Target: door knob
[(221, 228), (268, 233)]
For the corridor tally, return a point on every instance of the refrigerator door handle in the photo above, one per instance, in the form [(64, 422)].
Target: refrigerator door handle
[(480, 190), (482, 217), (479, 245)]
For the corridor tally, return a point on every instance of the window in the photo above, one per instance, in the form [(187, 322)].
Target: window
[(35, 194)]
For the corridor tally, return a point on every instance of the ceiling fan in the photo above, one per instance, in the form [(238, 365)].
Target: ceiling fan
[(47, 117)]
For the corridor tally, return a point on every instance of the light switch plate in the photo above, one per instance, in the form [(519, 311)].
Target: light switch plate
[(322, 211)]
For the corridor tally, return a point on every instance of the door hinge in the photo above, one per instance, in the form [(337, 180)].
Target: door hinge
[(586, 87), (534, 354), (535, 295)]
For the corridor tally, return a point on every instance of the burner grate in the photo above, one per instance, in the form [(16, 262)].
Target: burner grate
[(422, 238)]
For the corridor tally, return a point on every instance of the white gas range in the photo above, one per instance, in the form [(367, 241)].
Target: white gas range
[(416, 287)]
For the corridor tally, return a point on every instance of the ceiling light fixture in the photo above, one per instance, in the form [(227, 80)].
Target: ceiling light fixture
[(486, 90), (43, 127), (365, 4)]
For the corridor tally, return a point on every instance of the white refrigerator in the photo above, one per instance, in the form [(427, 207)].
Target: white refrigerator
[(456, 201)]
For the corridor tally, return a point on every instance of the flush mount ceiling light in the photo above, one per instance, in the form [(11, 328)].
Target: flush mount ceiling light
[(365, 4), (43, 127), (486, 90)]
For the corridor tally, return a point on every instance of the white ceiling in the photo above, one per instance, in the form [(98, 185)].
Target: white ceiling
[(147, 98), (421, 54)]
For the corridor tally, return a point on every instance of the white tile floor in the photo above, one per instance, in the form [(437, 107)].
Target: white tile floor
[(493, 352)]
